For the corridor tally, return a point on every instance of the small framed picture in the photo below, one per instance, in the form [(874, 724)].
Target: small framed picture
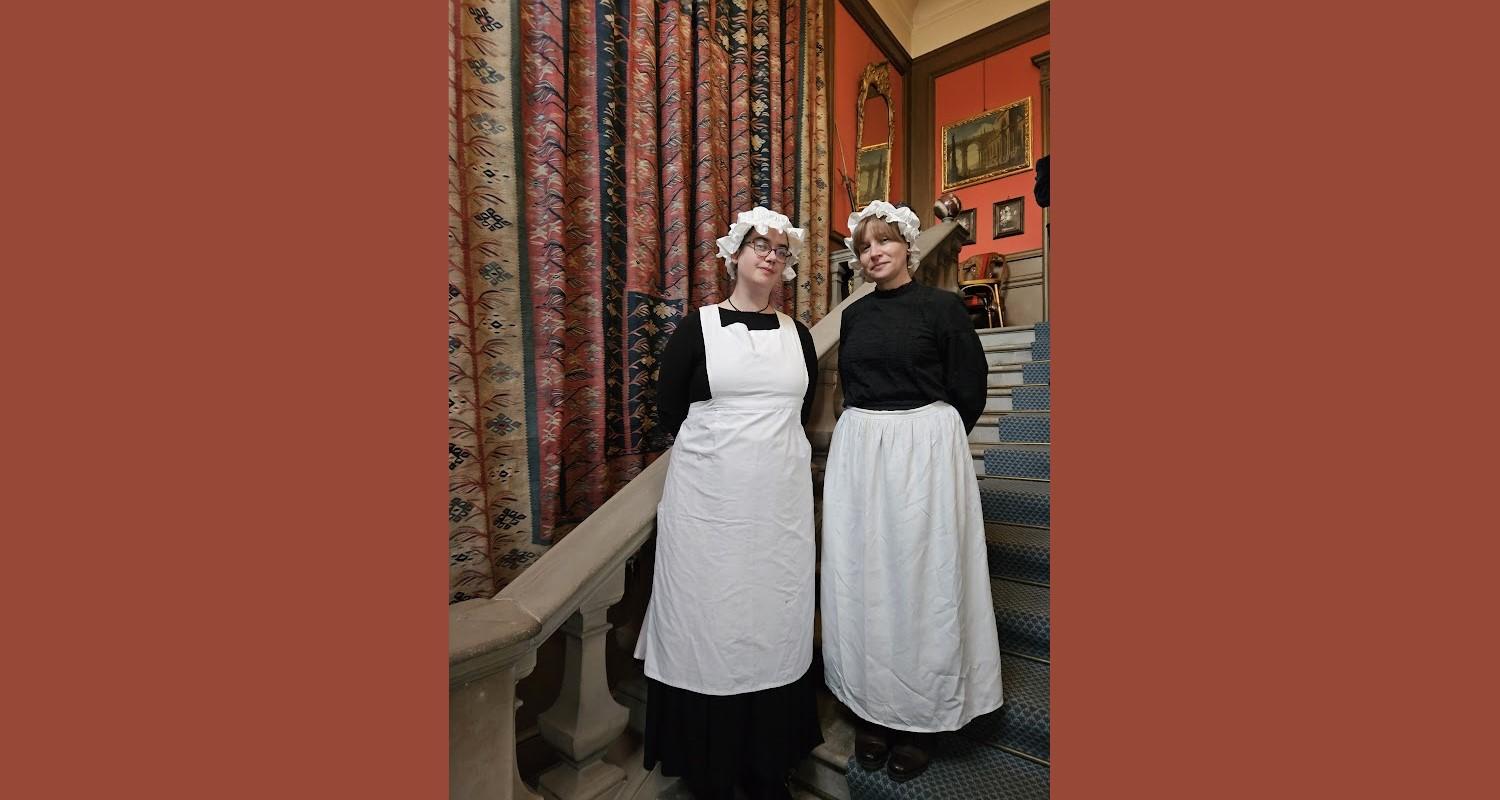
[(1010, 217), (965, 220)]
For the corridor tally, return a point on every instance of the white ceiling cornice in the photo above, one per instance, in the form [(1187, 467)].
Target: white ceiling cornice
[(897, 15), (921, 26)]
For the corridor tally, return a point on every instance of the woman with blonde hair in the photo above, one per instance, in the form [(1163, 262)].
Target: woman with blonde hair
[(909, 638)]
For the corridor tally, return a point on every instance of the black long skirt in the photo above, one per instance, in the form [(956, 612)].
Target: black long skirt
[(715, 741)]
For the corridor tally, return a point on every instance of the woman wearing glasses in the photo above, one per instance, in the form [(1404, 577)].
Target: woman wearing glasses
[(727, 638), (909, 639)]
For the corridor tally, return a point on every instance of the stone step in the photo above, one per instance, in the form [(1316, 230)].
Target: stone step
[(1018, 334), (997, 400), (1024, 722), (1016, 502), (961, 769), (1019, 553), (987, 436), (822, 772), (1018, 461), (1008, 354), (1024, 615), (1005, 375)]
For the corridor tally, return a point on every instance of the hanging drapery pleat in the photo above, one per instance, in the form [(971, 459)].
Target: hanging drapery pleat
[(599, 149), (490, 401)]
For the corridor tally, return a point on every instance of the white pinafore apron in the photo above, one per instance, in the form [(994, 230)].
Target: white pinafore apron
[(909, 637), (732, 599)]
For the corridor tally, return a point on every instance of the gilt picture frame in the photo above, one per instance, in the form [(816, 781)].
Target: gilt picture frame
[(987, 146)]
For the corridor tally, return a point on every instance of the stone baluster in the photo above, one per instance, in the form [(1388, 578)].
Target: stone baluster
[(482, 734), (585, 719)]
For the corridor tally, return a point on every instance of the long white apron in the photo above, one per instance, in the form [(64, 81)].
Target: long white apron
[(909, 637), (731, 607)]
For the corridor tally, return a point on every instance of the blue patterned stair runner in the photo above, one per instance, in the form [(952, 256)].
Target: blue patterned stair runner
[(1024, 615), (1031, 398), (1017, 462), (1025, 427), (1015, 506), (1024, 723), (1036, 372), (1019, 553)]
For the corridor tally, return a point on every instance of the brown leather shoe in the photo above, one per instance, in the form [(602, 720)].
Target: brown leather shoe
[(870, 749), (907, 762)]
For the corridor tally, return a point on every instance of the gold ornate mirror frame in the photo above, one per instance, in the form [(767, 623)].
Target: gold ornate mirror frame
[(875, 82)]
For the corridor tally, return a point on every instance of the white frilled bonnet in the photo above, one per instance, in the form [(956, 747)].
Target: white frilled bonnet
[(762, 219), (904, 219)]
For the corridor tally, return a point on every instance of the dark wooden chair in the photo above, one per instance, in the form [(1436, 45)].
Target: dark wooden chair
[(981, 286)]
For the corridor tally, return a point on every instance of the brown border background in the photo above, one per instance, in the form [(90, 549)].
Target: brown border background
[(1270, 484), (226, 571), (1273, 546)]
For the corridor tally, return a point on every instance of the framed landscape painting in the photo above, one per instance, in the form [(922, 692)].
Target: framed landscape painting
[(987, 146)]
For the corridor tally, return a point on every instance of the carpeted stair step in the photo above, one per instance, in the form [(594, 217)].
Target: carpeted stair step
[(1037, 372), (1018, 461), (1024, 616), (1024, 723), (1016, 502), (1019, 553), (1031, 398), (1017, 334), (992, 429), (1006, 375), (999, 355), (961, 769), (1025, 426), (1042, 331), (1042, 336)]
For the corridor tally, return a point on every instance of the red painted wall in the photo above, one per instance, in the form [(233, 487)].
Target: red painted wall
[(998, 80), (853, 50)]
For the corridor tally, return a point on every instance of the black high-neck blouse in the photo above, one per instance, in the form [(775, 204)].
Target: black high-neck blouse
[(910, 346)]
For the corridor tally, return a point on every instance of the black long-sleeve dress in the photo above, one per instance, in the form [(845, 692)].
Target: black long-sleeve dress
[(906, 347), (716, 741)]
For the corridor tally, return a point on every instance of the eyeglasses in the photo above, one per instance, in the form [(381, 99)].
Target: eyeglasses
[(763, 247)]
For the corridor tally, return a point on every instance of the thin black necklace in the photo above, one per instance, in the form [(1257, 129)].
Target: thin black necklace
[(730, 301)]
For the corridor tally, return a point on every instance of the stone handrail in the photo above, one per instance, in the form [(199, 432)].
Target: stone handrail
[(492, 643)]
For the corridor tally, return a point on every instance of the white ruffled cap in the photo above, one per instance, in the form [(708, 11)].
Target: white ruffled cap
[(762, 219), (904, 219)]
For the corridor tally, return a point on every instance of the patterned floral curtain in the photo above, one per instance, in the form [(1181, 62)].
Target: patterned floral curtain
[(598, 149)]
